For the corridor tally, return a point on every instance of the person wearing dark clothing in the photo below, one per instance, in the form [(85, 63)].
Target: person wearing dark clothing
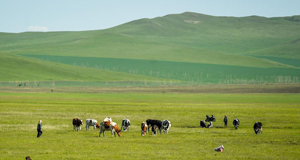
[(39, 129), (225, 121)]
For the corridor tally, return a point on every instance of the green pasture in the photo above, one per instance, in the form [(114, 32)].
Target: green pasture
[(20, 113), (190, 73)]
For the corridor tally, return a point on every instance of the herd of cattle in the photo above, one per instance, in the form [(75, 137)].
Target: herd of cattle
[(108, 125)]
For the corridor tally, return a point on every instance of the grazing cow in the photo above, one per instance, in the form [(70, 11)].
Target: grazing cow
[(210, 125), (236, 123), (91, 122), (166, 125), (107, 122), (125, 124), (154, 129), (257, 127), (113, 128), (76, 124), (209, 119), (202, 124), (151, 122), (144, 128)]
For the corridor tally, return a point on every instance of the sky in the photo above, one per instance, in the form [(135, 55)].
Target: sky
[(79, 15)]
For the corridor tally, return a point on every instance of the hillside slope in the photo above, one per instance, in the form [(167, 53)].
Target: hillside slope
[(221, 34), (189, 37), (287, 50), (18, 68)]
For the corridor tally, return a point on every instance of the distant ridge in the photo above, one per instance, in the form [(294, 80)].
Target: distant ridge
[(189, 38)]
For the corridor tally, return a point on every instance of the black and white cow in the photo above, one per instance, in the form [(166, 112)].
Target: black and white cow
[(125, 125), (210, 125), (236, 123), (76, 124), (202, 124), (257, 127), (166, 125), (91, 122), (152, 122)]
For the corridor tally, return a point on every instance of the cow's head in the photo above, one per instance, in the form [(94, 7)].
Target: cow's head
[(117, 130), (97, 125), (119, 133)]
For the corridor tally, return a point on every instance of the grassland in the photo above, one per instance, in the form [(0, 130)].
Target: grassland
[(20, 113), (18, 68), (185, 72)]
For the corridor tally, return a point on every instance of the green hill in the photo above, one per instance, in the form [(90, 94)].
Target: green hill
[(287, 50), (193, 44)]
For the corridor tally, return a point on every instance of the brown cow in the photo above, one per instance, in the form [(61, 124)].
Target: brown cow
[(113, 127), (76, 124), (144, 128)]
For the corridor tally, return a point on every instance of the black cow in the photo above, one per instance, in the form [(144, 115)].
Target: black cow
[(209, 119), (257, 127), (202, 124), (152, 122), (236, 123), (125, 124), (76, 124)]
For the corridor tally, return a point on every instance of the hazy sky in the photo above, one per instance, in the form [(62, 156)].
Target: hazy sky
[(77, 15)]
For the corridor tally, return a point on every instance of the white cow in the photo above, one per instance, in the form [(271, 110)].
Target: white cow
[(112, 127), (166, 125), (91, 122)]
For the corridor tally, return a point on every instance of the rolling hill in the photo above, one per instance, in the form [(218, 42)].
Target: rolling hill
[(224, 49)]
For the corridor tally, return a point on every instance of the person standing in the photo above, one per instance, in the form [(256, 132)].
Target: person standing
[(225, 121), (39, 129)]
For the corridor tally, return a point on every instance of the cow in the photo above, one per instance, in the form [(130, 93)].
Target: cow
[(209, 119), (91, 122), (236, 123), (144, 128), (125, 124), (113, 127), (257, 127), (202, 124), (166, 126), (76, 124), (154, 129), (107, 121), (210, 125), (151, 122)]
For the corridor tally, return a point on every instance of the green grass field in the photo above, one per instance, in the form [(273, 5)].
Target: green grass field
[(20, 113)]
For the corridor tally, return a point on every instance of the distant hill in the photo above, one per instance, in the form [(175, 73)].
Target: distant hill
[(226, 46)]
